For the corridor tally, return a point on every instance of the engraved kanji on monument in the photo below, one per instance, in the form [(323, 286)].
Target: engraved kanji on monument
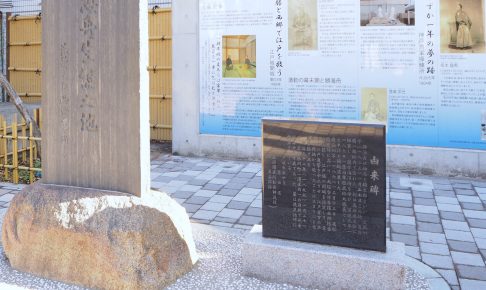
[(325, 182)]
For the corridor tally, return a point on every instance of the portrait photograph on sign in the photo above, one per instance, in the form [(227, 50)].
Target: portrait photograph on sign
[(387, 13), (302, 25), (239, 56), (462, 26), (374, 104)]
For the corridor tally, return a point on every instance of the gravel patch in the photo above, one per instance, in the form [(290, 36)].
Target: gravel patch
[(219, 267)]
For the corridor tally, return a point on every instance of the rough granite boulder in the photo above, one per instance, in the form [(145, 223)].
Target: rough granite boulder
[(98, 239)]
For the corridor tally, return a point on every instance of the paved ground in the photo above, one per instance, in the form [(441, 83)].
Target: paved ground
[(442, 221)]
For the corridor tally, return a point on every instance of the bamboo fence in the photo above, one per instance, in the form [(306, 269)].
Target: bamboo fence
[(18, 149)]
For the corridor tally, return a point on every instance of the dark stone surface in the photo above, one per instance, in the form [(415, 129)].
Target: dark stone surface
[(325, 183)]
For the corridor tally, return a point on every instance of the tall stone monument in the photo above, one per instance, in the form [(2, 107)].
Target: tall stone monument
[(93, 220)]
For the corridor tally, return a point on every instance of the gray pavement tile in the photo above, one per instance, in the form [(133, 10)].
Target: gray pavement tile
[(455, 225), (254, 211), (429, 227), (483, 252), (211, 186), (444, 193), (7, 197), (400, 195), (256, 203), (221, 181), (236, 186), (471, 272), (428, 209), (197, 200), (472, 206), (436, 238), (459, 246), (469, 199), (250, 191), (244, 197), (408, 240), (401, 210), (404, 190), (438, 261), (481, 243), (254, 185), (226, 175), (192, 188), (446, 200), (449, 207), (213, 206), (467, 284), (450, 276), (238, 205), (459, 236), (442, 186), (429, 218), (248, 175), (184, 177), (250, 220), (462, 185), (401, 219), (205, 215), (228, 192), (423, 194), (191, 208), (436, 249), (163, 179), (195, 181), (240, 180), (182, 194), (475, 214), (404, 229), (413, 252), (454, 216), (466, 192), (477, 223), (231, 213), (205, 193), (221, 199), (479, 233), (401, 203), (225, 220), (467, 259), (221, 224), (425, 201)]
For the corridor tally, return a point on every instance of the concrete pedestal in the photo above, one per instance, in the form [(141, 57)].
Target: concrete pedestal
[(322, 267)]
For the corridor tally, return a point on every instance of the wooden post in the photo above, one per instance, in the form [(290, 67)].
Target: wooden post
[(15, 151), (2, 157), (24, 141), (31, 156), (5, 151)]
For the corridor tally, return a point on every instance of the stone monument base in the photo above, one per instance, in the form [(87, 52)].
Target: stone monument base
[(98, 239), (322, 267)]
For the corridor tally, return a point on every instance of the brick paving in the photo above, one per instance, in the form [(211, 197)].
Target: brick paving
[(442, 221)]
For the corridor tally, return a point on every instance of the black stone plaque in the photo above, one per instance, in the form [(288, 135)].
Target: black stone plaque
[(325, 182)]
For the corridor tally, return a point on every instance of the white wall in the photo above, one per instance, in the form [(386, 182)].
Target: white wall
[(188, 141)]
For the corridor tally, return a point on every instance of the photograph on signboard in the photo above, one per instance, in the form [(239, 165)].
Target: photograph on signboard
[(302, 25), (374, 104), (462, 26), (387, 12), (239, 56), (483, 125)]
